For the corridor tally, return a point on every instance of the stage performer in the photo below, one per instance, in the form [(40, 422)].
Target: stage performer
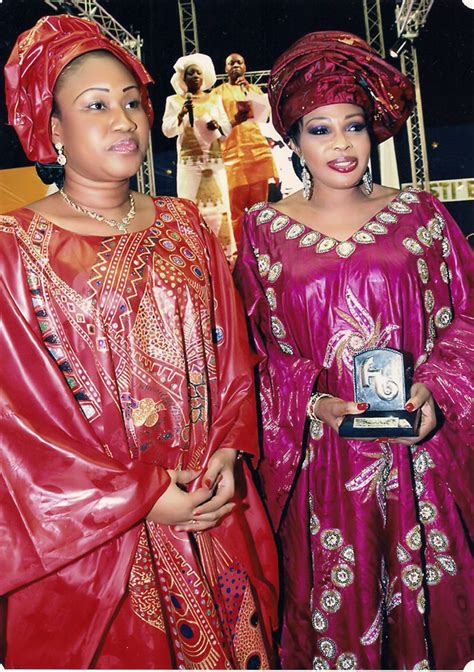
[(376, 562), (128, 529), (247, 154), (197, 117)]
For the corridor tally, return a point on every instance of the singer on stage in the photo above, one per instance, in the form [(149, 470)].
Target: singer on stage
[(200, 123), (247, 155)]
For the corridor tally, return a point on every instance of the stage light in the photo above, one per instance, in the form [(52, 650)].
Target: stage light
[(468, 3), (398, 47)]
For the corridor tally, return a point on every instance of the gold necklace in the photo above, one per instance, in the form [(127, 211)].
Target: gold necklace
[(120, 225)]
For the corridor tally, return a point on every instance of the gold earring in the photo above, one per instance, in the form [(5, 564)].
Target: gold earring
[(61, 158)]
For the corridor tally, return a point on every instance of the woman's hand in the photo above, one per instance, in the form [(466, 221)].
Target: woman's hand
[(175, 506), (219, 477), (421, 397), (184, 111), (331, 410)]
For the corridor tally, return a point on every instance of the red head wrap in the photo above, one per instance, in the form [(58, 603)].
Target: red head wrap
[(332, 67), (37, 60)]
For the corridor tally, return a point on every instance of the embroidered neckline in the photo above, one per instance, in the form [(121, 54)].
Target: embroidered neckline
[(366, 235)]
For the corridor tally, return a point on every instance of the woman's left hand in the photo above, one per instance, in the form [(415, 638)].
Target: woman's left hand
[(218, 477), (420, 397)]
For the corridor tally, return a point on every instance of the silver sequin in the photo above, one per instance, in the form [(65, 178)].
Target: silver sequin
[(271, 298), (331, 539), (275, 271), (428, 512), (279, 223), (309, 239), (433, 575), (327, 647), (412, 576), (286, 348), (447, 564), (319, 621), (278, 329), (364, 237), (346, 661), (423, 270), (429, 301), (443, 317), (345, 249), (265, 216), (342, 576), (444, 270), (438, 541), (424, 236), (325, 245), (330, 601), (294, 231), (413, 538), (413, 246)]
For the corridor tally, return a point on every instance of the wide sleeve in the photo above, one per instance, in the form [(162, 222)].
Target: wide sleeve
[(169, 124), (448, 371), (221, 117), (61, 495), (286, 381)]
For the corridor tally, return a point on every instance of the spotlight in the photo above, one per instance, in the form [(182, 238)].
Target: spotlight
[(398, 47), (468, 3)]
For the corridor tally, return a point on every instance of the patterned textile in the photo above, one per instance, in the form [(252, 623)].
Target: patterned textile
[(125, 356), (376, 564), (200, 174)]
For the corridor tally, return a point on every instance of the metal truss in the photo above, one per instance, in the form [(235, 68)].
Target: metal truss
[(115, 31), (415, 125), (411, 16), (373, 26), (257, 77), (188, 26)]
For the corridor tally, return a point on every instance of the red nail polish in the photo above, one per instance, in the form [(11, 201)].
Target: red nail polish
[(362, 407), (208, 483), (409, 407)]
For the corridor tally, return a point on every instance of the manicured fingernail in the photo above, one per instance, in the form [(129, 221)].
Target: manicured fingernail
[(207, 483), (409, 407), (381, 440), (362, 407)]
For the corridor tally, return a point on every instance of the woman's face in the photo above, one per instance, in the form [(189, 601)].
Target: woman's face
[(335, 143), (100, 120), (193, 78)]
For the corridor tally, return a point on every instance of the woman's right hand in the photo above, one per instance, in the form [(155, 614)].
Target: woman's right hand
[(175, 506), (331, 410), (183, 112)]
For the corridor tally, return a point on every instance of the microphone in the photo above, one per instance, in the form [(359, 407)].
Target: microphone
[(243, 88), (189, 105)]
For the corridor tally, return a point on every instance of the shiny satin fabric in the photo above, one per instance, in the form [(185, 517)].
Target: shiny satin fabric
[(372, 534), (37, 59), (328, 67), (125, 356), (247, 154)]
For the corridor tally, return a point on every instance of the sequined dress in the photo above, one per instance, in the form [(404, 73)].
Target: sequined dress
[(376, 565)]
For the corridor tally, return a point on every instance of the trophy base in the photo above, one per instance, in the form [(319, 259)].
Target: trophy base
[(381, 424)]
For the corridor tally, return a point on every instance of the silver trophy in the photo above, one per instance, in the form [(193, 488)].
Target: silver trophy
[(382, 380)]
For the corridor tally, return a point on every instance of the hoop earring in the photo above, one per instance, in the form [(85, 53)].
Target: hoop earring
[(61, 158), (307, 179), (367, 182)]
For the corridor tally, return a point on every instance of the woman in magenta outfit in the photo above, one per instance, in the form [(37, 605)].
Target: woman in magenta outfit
[(373, 534)]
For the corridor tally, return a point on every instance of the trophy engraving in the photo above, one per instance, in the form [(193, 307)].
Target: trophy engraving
[(381, 380)]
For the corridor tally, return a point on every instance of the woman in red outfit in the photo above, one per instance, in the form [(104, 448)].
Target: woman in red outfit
[(126, 540)]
